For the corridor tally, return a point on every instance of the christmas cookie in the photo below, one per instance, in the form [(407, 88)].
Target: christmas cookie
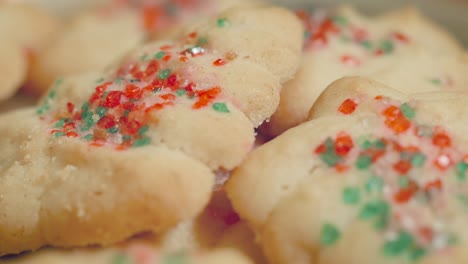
[(400, 49), (24, 31), (105, 156), (97, 38), (375, 177)]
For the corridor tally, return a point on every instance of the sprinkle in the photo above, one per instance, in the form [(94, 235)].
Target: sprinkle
[(407, 111), (418, 160), (220, 107), (163, 74), (347, 107), (343, 144), (350, 60), (88, 137), (219, 62), (441, 140), (142, 142), (160, 55), (443, 162), (402, 244), (121, 259), (58, 134), (363, 162), (222, 22), (374, 184), (461, 169), (181, 92), (340, 20), (329, 234), (374, 209), (351, 195)]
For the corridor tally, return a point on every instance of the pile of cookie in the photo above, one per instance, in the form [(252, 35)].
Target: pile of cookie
[(202, 131)]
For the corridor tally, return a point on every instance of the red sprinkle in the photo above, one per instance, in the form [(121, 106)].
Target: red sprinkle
[(437, 184), (343, 144), (350, 60), (347, 107), (441, 140), (401, 37), (106, 122), (402, 167), (404, 195), (219, 62), (70, 107)]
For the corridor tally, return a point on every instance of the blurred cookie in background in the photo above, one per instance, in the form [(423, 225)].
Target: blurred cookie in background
[(25, 31)]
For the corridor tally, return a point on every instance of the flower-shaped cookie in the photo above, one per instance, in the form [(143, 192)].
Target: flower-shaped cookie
[(105, 156), (375, 177), (401, 49)]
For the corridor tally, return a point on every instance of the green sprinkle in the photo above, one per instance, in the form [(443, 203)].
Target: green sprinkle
[(163, 74), (202, 41), (387, 46), (461, 170), (363, 162), (374, 184), (453, 240), (134, 80), (416, 254), (307, 35), (121, 259), (51, 95), (435, 81), (113, 130), (407, 111), (143, 130), (58, 82), (126, 138), (100, 80), (177, 258), (85, 107), (340, 20), (366, 145), (329, 143), (221, 107), (329, 234), (330, 158), (399, 246), (222, 22), (366, 44), (59, 134), (144, 57), (380, 144), (418, 160), (142, 142), (403, 182), (60, 123), (351, 195), (181, 92), (126, 113), (373, 209), (101, 111), (160, 55), (88, 137), (44, 108)]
